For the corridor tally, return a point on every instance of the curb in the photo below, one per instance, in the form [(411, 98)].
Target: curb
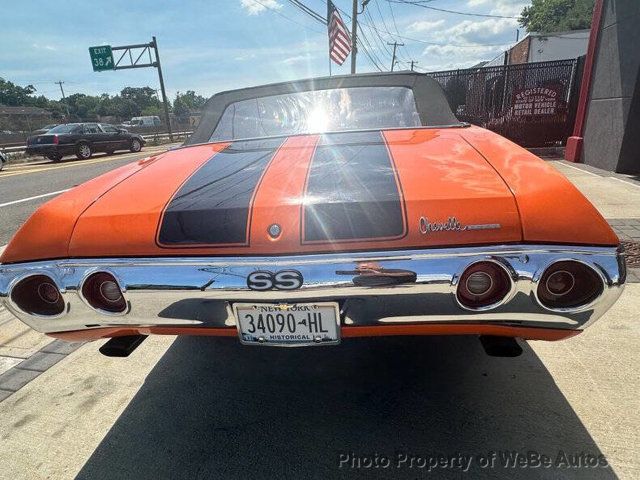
[(17, 377), (552, 152)]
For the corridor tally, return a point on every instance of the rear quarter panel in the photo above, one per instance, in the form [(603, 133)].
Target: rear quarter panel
[(552, 209)]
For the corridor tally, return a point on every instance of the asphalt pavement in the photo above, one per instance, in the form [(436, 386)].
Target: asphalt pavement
[(431, 407), (24, 187)]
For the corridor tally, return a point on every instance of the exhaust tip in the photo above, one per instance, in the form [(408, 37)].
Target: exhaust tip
[(122, 346), (495, 346)]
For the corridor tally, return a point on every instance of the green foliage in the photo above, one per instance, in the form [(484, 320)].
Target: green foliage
[(13, 95), (546, 16), (130, 102), (143, 97), (188, 102)]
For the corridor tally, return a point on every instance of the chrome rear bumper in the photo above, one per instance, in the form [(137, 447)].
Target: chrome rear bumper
[(199, 292)]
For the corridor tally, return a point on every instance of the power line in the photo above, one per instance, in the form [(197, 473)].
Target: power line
[(286, 17), (366, 52), (384, 24), (417, 3), (312, 13), (393, 17), (395, 26), (375, 33), (370, 53), (404, 37)]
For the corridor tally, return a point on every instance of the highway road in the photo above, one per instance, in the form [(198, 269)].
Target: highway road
[(24, 187)]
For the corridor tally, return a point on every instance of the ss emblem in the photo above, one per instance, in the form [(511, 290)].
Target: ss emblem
[(281, 280)]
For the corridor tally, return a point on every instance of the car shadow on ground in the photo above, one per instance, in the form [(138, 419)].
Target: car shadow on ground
[(212, 408)]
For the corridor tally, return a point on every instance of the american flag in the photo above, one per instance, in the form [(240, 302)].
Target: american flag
[(339, 39)]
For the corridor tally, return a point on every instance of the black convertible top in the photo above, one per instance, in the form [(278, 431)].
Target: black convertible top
[(431, 102)]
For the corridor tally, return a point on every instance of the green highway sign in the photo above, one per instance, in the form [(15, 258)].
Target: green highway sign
[(101, 58)]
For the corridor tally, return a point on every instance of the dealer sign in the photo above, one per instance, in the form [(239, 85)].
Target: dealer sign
[(536, 101)]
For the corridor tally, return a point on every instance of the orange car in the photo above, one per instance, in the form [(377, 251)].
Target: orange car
[(302, 213)]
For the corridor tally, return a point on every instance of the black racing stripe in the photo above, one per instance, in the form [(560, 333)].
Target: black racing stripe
[(212, 207), (352, 190)]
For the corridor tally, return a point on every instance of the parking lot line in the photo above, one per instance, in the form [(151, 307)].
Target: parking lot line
[(28, 199), (565, 164)]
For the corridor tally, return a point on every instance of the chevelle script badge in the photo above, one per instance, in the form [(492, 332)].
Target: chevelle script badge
[(452, 225)]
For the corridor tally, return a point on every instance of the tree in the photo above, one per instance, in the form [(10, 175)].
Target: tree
[(186, 103), (83, 107), (546, 16), (144, 97), (14, 95)]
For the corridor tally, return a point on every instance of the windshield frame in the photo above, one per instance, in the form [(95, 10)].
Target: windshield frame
[(263, 123), (433, 108)]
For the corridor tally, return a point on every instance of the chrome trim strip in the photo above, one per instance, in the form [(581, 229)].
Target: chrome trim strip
[(302, 134), (199, 291)]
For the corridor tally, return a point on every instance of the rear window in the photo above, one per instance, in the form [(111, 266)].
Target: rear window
[(334, 110), (71, 128)]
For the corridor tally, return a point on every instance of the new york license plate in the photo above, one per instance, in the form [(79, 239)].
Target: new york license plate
[(288, 324)]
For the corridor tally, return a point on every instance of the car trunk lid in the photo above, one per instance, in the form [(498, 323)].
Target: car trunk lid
[(305, 194), (42, 140)]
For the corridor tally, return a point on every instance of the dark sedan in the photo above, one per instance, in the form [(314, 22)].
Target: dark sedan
[(82, 140)]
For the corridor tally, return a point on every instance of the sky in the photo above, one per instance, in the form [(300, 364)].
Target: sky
[(216, 45)]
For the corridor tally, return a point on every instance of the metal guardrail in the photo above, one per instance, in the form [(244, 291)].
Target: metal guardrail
[(22, 148)]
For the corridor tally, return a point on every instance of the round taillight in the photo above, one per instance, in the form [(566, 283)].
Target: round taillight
[(38, 295), (483, 285), (569, 284), (102, 292)]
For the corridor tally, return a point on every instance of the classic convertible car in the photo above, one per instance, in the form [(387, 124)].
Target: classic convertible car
[(302, 213)]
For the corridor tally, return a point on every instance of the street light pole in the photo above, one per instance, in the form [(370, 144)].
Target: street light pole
[(164, 94)]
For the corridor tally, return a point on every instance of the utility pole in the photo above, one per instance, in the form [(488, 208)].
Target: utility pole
[(164, 94), (354, 34), (393, 60), (64, 99), (354, 31), (412, 64)]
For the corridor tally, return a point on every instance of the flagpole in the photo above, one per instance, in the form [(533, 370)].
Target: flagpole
[(328, 36)]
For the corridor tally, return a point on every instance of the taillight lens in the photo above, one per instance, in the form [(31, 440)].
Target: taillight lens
[(56, 140), (38, 295), (102, 292), (483, 285), (569, 284)]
